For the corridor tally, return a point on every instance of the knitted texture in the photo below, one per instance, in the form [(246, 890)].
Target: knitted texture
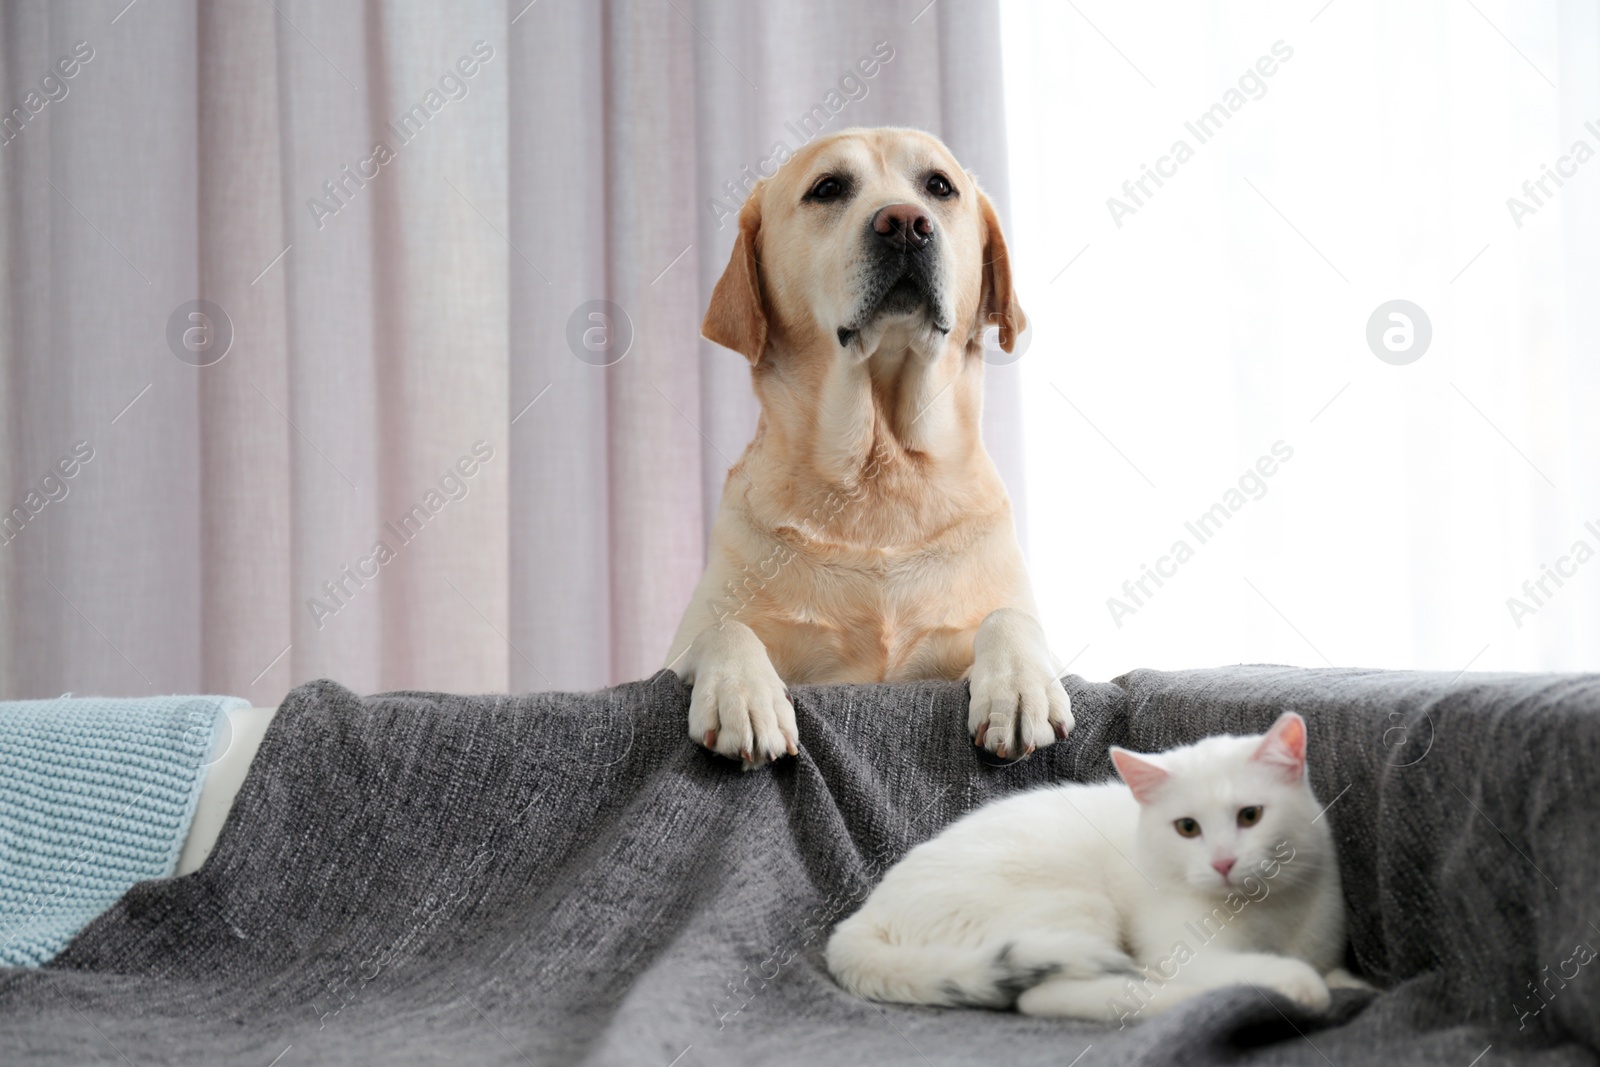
[(95, 795), (567, 880)]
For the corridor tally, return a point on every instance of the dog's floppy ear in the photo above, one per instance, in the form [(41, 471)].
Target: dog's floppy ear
[(737, 319), (999, 306)]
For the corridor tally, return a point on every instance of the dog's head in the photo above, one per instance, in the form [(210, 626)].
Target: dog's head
[(863, 233)]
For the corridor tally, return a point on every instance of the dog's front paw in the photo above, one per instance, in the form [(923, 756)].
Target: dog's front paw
[(1018, 703), (1017, 708), (740, 708)]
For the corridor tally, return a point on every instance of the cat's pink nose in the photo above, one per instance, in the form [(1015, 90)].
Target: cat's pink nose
[(1223, 866)]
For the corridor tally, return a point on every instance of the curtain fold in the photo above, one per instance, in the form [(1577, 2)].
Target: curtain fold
[(421, 460)]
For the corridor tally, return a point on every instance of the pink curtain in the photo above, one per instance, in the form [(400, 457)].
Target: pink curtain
[(395, 448)]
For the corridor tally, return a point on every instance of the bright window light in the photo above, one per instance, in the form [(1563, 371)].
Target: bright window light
[(1313, 368)]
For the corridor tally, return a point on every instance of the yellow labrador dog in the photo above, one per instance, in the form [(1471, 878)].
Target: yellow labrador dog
[(865, 535)]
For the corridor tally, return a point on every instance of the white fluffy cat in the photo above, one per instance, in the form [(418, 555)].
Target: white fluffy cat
[(1208, 868)]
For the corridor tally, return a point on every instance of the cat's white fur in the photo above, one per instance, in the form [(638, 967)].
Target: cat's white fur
[(1086, 901)]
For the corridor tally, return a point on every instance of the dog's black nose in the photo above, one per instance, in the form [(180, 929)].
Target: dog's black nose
[(903, 225)]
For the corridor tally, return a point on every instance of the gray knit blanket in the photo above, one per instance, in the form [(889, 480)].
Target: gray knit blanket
[(566, 879)]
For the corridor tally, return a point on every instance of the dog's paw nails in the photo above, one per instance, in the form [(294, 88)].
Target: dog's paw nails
[(1061, 731), (737, 705), (794, 749), (983, 732), (1028, 751)]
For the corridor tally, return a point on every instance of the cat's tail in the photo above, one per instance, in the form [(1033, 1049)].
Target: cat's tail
[(864, 960)]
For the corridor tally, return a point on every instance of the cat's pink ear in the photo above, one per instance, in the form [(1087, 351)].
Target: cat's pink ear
[(1284, 747), (1142, 773)]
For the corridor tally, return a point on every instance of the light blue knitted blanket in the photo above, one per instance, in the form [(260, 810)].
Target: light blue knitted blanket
[(95, 795)]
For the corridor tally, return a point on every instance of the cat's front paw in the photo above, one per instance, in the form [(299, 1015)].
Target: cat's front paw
[(1339, 978), (1018, 703), (1297, 980)]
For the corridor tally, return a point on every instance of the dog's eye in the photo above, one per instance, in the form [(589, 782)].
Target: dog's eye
[(827, 188), (940, 186)]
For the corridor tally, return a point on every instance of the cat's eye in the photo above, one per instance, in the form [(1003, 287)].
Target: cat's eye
[(1187, 827), (1250, 816)]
